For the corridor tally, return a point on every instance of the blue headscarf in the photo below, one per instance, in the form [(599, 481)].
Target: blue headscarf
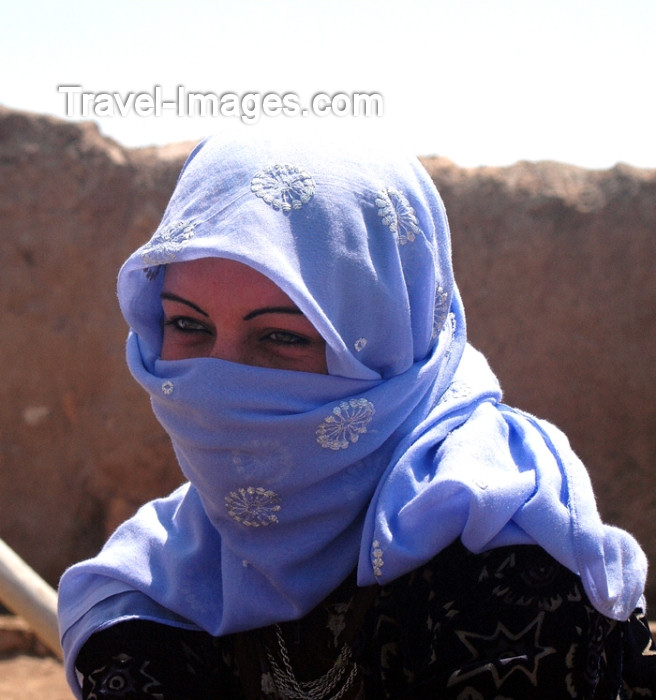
[(296, 479)]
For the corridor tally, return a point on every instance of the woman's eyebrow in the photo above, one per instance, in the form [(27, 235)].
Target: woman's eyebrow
[(273, 310), (174, 297)]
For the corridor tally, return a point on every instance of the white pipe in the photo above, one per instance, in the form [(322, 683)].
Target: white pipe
[(25, 593)]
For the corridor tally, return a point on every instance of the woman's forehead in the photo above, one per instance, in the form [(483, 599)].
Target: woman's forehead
[(223, 279)]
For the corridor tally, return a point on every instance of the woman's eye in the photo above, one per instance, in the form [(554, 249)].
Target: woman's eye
[(286, 338), (186, 325)]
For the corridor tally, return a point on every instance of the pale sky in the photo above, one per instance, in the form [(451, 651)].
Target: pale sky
[(482, 82)]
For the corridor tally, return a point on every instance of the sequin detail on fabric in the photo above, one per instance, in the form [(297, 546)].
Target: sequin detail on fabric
[(346, 423), (253, 506), (377, 558), (167, 387), (166, 244), (396, 213), (283, 186)]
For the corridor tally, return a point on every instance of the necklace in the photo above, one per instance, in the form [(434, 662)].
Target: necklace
[(322, 688)]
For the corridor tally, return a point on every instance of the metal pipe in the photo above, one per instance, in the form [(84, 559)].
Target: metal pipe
[(26, 594)]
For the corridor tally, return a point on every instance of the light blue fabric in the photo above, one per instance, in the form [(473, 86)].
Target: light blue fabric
[(295, 478)]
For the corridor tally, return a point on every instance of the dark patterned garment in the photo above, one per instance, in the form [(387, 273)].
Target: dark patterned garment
[(508, 624)]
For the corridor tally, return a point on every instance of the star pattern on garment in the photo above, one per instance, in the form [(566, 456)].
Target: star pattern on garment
[(122, 677), (507, 653)]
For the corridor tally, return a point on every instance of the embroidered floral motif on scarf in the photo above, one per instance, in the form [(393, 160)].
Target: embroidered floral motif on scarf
[(283, 186), (165, 247), (441, 310), (397, 214), (253, 506), (346, 424)]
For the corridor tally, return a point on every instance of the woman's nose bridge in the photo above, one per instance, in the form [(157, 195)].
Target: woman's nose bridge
[(228, 346)]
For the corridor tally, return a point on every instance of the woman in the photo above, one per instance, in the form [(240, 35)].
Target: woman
[(363, 517)]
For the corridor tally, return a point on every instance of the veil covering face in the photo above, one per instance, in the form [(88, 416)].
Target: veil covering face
[(296, 479)]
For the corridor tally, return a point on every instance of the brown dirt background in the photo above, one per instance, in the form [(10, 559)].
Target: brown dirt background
[(25, 677)]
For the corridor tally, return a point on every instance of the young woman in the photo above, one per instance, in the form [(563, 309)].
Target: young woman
[(363, 517)]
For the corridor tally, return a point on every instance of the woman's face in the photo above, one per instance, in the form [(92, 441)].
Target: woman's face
[(224, 309)]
